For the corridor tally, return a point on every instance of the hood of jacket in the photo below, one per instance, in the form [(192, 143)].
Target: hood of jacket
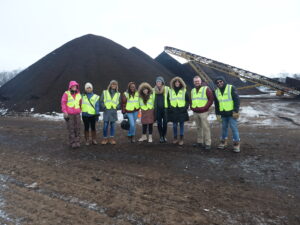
[(73, 83), (143, 86), (172, 82), (111, 82), (223, 79)]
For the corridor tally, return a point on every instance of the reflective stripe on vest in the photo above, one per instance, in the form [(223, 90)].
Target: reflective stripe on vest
[(73, 103), (225, 100), (149, 104), (86, 105), (111, 102), (179, 99), (199, 99), (132, 102)]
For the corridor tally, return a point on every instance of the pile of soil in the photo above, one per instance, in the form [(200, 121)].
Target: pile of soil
[(187, 73), (89, 58)]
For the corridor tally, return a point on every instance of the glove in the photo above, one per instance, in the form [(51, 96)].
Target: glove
[(235, 115), (219, 118), (125, 116)]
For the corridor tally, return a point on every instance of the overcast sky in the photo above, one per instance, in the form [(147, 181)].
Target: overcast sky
[(262, 36)]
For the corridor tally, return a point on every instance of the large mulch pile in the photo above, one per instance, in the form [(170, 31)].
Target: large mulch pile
[(89, 58)]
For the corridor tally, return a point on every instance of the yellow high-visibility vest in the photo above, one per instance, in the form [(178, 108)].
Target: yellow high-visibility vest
[(199, 99), (86, 105), (111, 102), (177, 100), (149, 104), (225, 100), (73, 103), (132, 102)]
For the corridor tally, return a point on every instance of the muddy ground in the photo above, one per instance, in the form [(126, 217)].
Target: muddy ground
[(43, 181)]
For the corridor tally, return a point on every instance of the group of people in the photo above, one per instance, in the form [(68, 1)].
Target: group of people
[(161, 104)]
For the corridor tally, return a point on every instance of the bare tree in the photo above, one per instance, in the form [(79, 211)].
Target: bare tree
[(6, 76)]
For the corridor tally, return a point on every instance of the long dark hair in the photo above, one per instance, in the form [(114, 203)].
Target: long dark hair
[(128, 89), (145, 97)]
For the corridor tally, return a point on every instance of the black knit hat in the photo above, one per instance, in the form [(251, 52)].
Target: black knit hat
[(220, 78)]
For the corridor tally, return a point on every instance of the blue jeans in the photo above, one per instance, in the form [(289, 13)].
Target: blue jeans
[(229, 120), (105, 128), (132, 117), (181, 124)]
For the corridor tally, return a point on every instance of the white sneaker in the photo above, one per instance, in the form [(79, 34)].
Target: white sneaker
[(143, 138), (150, 138)]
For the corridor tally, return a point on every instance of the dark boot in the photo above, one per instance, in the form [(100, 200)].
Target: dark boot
[(161, 139), (181, 140), (175, 141)]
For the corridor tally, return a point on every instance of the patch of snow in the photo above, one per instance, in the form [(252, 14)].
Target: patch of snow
[(259, 96), (53, 117), (3, 111), (249, 111), (271, 113)]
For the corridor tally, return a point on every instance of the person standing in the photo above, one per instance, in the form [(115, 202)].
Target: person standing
[(130, 107), (201, 100), (71, 107), (110, 103), (90, 113), (227, 103), (146, 100), (179, 104), (160, 107)]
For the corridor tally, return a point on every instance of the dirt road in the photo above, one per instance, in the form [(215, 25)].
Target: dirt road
[(42, 181)]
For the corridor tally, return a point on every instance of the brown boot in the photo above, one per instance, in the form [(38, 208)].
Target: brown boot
[(87, 138), (104, 141), (236, 147), (223, 144), (94, 142), (181, 141), (112, 141)]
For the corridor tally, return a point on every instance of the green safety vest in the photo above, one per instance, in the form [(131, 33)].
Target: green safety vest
[(179, 99), (199, 99), (73, 103), (132, 102), (86, 105), (149, 104), (111, 102), (225, 100), (166, 91)]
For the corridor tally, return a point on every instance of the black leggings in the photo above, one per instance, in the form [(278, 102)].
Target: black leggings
[(89, 122), (145, 126), (162, 121)]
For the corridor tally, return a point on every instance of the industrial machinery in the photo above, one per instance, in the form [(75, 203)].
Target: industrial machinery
[(258, 80)]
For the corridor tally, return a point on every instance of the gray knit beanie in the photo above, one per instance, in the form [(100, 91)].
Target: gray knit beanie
[(161, 79)]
